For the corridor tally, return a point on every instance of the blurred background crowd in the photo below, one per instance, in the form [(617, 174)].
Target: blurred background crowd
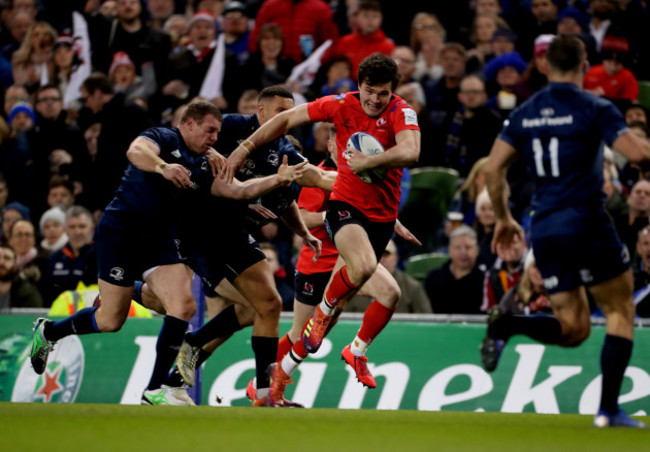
[(81, 79)]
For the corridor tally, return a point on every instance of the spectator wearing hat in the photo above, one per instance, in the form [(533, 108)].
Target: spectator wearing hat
[(128, 32), (611, 79), (189, 67), (136, 88), (413, 298), (11, 213), (16, 159), (535, 77), (51, 225), (76, 261), (22, 117), (502, 75), (306, 24), (235, 24), (16, 291)]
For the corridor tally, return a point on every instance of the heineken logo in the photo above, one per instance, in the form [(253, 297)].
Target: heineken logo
[(61, 380)]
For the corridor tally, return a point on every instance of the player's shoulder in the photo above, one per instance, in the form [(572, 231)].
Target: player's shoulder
[(161, 135)]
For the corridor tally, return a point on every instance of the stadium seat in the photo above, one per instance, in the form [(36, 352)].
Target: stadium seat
[(420, 265), (431, 192), (644, 93)]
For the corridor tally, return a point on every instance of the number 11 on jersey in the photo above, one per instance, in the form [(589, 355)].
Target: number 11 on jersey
[(538, 150)]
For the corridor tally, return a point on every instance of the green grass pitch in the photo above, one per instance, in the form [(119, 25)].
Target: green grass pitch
[(116, 428)]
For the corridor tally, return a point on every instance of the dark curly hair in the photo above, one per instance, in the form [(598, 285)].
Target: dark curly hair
[(378, 69)]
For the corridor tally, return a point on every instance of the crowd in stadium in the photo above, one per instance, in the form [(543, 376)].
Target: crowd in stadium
[(464, 66)]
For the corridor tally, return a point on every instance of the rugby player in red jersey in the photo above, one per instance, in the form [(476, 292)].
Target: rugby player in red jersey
[(360, 217)]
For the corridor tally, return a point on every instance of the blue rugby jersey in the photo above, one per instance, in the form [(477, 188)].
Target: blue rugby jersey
[(560, 133)]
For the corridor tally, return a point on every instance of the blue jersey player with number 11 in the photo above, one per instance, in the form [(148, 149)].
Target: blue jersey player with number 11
[(560, 133)]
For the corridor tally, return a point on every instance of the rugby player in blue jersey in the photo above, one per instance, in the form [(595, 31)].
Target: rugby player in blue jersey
[(560, 133), (135, 238)]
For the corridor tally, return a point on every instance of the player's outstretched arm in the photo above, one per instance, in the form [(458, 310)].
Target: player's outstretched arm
[(254, 188), (270, 130), (313, 176), (632, 147), (294, 221), (145, 155), (406, 152), (312, 219), (506, 228)]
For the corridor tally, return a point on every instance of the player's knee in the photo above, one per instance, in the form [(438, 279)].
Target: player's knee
[(576, 335), (245, 315), (111, 325), (362, 272), (271, 307), (184, 308), (390, 297)]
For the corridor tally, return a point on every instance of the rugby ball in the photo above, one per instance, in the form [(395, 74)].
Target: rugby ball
[(368, 145)]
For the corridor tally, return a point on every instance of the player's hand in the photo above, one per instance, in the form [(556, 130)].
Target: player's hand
[(403, 232), (505, 233), (262, 211), (287, 174), (216, 161), (313, 244), (356, 160), (235, 162), (178, 174), (309, 176)]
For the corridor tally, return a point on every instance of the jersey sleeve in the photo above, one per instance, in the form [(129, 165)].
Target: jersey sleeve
[(286, 148), (322, 109), (155, 135), (403, 117), (610, 122), (509, 132)]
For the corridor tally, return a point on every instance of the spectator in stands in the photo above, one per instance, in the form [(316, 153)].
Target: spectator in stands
[(235, 22), (11, 213), (176, 28), (484, 27), (76, 261), (367, 39), (465, 198), (338, 78), (405, 60), (427, 40), (629, 222), (642, 274), (121, 121), (484, 227), (21, 117), (66, 60), (413, 298), (611, 79), (108, 9), (504, 274), (4, 193), (543, 20), (16, 291), (317, 150), (18, 26), (138, 89), (57, 147), (307, 24), (14, 94), (189, 67), (503, 41), (22, 239), (129, 33), (413, 94), (534, 77), (266, 66), (457, 286), (34, 55), (159, 12), (502, 74), (442, 94), (473, 128), (60, 193), (52, 227), (247, 104), (528, 296), (601, 23)]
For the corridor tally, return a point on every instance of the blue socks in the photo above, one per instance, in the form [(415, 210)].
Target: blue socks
[(223, 324), (169, 341), (614, 359), (81, 322), (543, 328), (266, 350)]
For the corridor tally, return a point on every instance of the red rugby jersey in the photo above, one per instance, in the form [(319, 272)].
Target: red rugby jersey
[(315, 200), (377, 201)]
